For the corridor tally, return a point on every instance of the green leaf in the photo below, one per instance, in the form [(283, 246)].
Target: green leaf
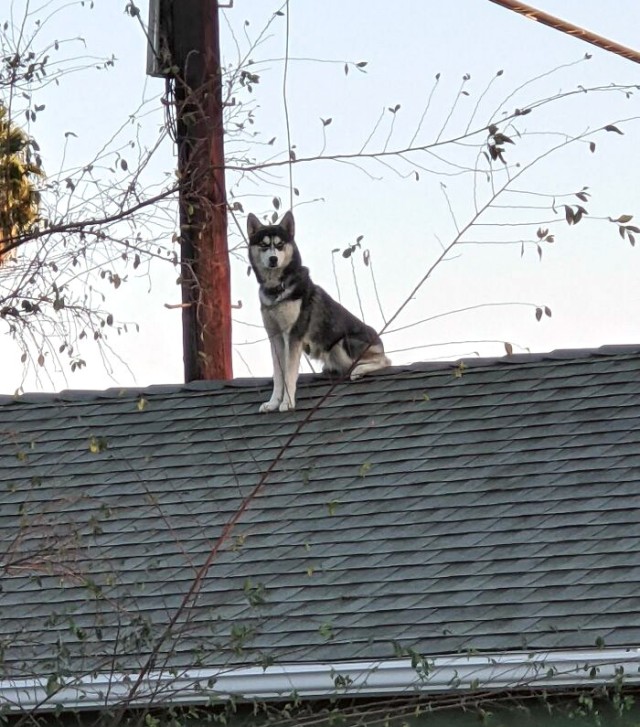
[(459, 370), (52, 685), (254, 593), (97, 444)]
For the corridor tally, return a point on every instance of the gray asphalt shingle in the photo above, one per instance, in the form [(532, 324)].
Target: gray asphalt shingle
[(491, 510)]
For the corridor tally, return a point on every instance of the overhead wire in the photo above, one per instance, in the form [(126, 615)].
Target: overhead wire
[(564, 26)]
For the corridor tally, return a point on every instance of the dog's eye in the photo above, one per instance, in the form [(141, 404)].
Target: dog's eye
[(279, 245), (264, 246)]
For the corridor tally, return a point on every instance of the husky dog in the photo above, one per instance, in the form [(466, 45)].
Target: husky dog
[(299, 315)]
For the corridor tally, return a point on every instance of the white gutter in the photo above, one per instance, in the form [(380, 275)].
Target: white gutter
[(455, 673)]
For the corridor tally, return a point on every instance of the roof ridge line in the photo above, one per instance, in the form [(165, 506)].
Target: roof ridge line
[(90, 395)]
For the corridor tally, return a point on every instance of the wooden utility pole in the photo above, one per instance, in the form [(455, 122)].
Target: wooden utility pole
[(191, 32)]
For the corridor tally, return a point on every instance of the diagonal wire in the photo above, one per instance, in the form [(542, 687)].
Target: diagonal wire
[(564, 26)]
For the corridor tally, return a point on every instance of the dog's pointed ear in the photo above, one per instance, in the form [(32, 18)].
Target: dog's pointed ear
[(253, 225), (288, 224)]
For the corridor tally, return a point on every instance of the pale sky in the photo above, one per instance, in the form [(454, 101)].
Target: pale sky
[(588, 277)]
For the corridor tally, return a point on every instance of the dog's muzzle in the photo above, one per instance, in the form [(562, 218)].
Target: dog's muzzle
[(273, 262)]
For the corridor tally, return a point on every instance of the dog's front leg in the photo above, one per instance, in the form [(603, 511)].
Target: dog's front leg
[(279, 367), (293, 352)]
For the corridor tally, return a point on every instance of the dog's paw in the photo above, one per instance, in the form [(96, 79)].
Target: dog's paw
[(287, 406), (269, 406), (330, 372)]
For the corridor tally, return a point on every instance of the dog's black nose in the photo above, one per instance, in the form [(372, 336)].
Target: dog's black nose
[(273, 262)]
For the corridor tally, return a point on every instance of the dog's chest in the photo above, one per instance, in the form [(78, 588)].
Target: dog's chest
[(282, 316)]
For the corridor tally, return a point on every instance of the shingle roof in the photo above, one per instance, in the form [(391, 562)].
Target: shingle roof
[(493, 506)]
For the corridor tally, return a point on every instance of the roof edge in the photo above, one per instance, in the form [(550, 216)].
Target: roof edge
[(91, 395), (398, 677)]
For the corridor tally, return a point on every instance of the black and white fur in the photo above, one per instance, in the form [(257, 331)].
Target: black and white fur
[(299, 315)]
